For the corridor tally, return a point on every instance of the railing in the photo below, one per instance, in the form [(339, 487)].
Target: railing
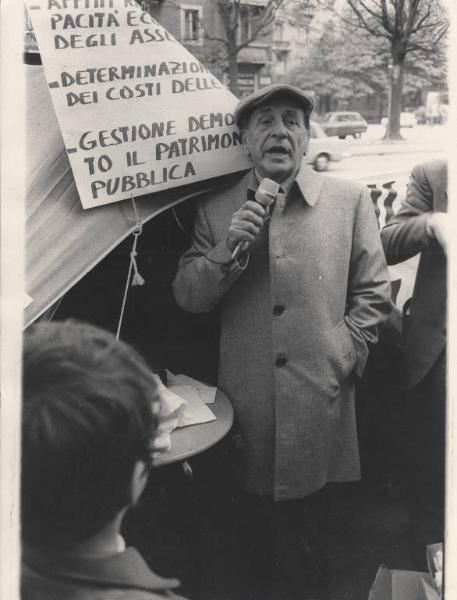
[(281, 46), (386, 200), (387, 191), (383, 200)]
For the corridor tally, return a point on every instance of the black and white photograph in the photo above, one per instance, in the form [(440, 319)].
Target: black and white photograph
[(227, 259)]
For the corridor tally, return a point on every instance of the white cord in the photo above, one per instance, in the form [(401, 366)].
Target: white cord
[(137, 279)]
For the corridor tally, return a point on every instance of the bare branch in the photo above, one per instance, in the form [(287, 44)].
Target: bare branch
[(385, 18), (214, 38), (268, 16), (230, 12), (413, 14), (431, 46), (420, 23), (399, 24), (370, 11), (362, 21)]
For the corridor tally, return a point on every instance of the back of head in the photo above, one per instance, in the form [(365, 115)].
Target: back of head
[(87, 419)]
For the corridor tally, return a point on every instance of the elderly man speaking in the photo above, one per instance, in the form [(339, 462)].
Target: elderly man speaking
[(302, 285)]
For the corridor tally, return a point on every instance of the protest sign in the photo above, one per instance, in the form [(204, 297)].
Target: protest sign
[(138, 113)]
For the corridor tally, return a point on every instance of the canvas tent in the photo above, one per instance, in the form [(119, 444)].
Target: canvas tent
[(63, 241)]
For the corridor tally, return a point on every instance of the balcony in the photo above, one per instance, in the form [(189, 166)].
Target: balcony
[(254, 54), (281, 48)]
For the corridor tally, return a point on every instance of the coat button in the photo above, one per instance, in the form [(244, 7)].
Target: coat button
[(280, 361), (278, 310)]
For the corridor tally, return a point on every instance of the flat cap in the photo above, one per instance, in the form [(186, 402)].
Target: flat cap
[(261, 95)]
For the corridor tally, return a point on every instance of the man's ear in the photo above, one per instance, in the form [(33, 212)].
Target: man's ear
[(245, 142), (139, 478), (305, 151)]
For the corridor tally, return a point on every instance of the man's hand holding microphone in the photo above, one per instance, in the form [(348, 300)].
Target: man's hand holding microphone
[(248, 220)]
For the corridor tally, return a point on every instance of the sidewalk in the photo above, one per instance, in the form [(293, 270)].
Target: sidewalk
[(421, 138)]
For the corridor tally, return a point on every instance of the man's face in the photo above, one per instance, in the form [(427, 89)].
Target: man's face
[(277, 138)]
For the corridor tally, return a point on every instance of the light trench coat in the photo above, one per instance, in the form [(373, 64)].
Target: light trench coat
[(294, 325)]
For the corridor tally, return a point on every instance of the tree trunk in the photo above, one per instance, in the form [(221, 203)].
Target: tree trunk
[(395, 104), (381, 105), (233, 73)]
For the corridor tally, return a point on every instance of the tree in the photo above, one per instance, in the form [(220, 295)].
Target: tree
[(242, 24), (343, 64), (407, 28)]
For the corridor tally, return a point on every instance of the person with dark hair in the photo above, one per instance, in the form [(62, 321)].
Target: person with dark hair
[(421, 226), (88, 420)]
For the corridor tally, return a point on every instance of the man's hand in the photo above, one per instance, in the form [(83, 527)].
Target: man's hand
[(438, 227), (246, 224)]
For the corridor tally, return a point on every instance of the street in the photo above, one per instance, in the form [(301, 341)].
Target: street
[(372, 157), (360, 167)]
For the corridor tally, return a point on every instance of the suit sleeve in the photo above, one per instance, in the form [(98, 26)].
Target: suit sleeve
[(206, 271), (405, 234), (369, 297)]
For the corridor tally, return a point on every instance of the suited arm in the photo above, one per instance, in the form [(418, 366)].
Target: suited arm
[(206, 271), (406, 233), (368, 297)]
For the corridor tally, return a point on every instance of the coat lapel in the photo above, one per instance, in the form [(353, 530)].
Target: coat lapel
[(310, 184)]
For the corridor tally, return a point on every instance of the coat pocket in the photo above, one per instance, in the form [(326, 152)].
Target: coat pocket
[(346, 357)]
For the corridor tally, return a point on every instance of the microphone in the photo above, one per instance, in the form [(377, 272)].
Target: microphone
[(265, 196)]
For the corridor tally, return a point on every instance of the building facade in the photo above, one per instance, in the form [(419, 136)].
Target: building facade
[(199, 26), (293, 32)]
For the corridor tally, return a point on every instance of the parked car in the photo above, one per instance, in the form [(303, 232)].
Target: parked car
[(323, 150), (407, 119), (420, 114), (344, 123)]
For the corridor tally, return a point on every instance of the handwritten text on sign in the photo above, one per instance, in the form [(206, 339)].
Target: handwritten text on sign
[(138, 112)]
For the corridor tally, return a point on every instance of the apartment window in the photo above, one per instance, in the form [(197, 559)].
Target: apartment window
[(190, 24), (249, 18), (245, 26), (247, 83), (279, 32)]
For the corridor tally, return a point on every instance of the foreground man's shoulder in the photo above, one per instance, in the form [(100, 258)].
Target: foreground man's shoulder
[(435, 167)]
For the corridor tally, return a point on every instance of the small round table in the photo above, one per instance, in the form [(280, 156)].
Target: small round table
[(189, 441)]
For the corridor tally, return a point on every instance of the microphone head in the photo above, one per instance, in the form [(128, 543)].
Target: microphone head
[(267, 191)]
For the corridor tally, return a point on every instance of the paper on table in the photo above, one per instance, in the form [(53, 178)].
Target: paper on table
[(171, 406), (195, 410), (207, 393)]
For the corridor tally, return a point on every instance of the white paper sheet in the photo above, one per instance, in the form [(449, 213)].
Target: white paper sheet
[(171, 406), (195, 410), (207, 393)]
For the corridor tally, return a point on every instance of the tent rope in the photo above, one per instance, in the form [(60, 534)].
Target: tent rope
[(133, 266), (138, 280)]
